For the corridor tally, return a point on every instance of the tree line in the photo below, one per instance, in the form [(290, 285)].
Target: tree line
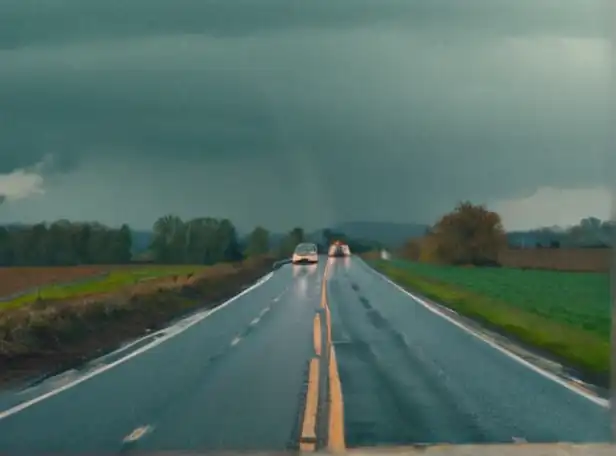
[(590, 232), (203, 240), (208, 240), (64, 243)]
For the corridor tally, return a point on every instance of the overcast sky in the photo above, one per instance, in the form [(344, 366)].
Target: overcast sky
[(303, 112)]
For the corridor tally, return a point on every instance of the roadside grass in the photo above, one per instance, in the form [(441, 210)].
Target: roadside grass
[(565, 314), (52, 334), (114, 280)]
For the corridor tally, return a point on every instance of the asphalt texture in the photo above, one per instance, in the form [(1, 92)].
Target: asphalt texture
[(235, 379), (410, 376)]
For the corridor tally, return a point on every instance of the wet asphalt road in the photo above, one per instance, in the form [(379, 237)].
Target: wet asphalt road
[(236, 379), (432, 382)]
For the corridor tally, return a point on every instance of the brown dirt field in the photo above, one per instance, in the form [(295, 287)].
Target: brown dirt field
[(563, 259), (16, 279), (579, 260), (51, 336)]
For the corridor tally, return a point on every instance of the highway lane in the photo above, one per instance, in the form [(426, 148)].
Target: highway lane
[(411, 376), (234, 380)]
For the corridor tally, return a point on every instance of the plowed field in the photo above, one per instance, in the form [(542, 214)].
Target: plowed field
[(15, 280)]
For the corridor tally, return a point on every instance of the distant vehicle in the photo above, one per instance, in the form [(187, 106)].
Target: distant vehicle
[(305, 253), (339, 249)]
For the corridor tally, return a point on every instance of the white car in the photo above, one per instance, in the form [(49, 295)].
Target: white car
[(305, 253)]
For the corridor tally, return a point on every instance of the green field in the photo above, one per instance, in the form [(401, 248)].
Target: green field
[(566, 313), (115, 280)]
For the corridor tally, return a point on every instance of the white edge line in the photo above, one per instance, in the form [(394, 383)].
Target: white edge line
[(24, 405), (597, 400)]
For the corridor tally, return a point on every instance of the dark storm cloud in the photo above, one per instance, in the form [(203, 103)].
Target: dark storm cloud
[(28, 22), (386, 110)]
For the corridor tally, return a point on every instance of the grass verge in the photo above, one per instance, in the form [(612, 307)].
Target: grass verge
[(583, 349), (104, 283), (49, 334)]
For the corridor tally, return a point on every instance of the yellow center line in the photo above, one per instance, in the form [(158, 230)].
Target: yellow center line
[(328, 325), (308, 437), (336, 443), (324, 287), (317, 334), (323, 294), (324, 304)]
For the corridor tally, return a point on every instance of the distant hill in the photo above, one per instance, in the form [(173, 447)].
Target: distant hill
[(386, 233)]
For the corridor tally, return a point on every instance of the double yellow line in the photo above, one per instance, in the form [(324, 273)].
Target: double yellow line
[(308, 438)]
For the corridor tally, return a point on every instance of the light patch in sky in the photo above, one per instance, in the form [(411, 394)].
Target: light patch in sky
[(20, 184), (555, 206)]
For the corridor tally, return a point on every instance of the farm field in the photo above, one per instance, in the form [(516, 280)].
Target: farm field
[(16, 279), (563, 259), (565, 313), (580, 299), (21, 286)]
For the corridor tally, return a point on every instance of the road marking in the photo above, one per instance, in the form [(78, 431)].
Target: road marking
[(264, 311), (336, 443), (24, 405), (324, 287), (134, 342), (308, 436), (328, 325), (277, 298), (317, 334), (137, 434), (571, 387), (255, 321), (324, 304), (236, 341)]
